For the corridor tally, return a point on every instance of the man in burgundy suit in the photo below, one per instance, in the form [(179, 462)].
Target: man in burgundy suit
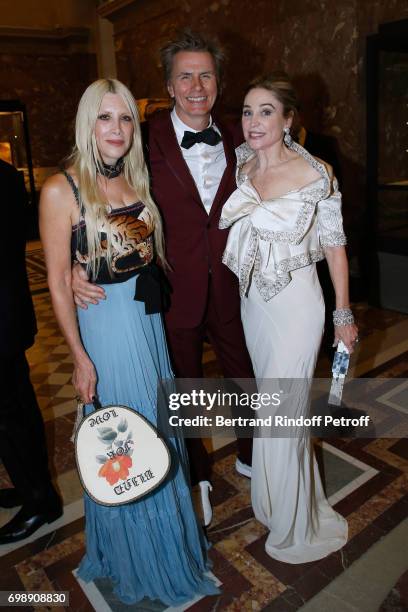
[(192, 164)]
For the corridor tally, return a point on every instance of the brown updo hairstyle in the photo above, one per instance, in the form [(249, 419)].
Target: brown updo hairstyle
[(280, 85)]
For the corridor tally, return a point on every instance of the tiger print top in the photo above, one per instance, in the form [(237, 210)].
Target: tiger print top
[(132, 241)]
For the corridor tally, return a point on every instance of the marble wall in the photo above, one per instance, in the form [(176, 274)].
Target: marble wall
[(320, 43), (47, 58), (47, 14), (50, 87)]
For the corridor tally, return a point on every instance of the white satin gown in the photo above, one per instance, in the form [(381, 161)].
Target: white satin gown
[(272, 247)]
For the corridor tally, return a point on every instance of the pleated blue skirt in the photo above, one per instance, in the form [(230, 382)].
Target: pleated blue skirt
[(153, 547)]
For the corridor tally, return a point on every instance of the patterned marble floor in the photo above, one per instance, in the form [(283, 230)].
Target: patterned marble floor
[(366, 480), (397, 599)]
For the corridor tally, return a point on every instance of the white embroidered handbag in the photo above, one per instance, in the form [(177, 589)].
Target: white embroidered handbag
[(120, 455)]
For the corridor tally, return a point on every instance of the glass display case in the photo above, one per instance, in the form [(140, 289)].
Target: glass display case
[(15, 143), (387, 162)]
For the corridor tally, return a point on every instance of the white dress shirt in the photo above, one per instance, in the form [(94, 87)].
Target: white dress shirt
[(205, 162)]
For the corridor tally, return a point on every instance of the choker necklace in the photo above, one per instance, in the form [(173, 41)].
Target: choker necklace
[(111, 171)]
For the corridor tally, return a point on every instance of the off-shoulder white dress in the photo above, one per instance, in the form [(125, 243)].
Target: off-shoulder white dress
[(272, 247)]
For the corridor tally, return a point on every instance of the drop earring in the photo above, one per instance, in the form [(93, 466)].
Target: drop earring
[(287, 138)]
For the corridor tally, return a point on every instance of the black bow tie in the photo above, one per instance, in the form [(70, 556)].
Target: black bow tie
[(209, 136)]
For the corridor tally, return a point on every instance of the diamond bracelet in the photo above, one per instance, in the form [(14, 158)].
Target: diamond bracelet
[(343, 316)]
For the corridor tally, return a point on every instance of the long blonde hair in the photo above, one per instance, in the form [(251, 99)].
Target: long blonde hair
[(85, 159)]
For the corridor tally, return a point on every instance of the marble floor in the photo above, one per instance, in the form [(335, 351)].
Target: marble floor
[(365, 478)]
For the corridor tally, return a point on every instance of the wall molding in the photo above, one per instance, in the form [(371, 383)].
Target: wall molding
[(48, 41), (110, 8)]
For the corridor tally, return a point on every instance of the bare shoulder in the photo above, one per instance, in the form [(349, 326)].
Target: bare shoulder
[(57, 190), (303, 169), (328, 167), (55, 184)]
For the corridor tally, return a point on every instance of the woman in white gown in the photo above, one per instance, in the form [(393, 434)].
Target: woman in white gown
[(283, 218)]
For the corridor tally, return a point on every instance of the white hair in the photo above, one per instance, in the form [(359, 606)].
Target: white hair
[(85, 159)]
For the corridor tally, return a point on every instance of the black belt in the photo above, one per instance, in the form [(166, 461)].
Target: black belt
[(153, 288)]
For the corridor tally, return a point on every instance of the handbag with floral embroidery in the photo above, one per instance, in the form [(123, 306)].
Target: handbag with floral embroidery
[(120, 455)]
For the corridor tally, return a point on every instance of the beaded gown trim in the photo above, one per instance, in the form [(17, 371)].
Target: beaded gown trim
[(265, 245)]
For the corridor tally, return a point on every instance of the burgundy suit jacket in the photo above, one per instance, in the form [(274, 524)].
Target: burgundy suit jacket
[(194, 244)]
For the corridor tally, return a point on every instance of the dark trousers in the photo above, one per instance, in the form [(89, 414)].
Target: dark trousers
[(22, 437), (186, 349)]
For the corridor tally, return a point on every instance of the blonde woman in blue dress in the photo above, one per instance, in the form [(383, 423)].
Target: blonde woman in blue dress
[(283, 218), (99, 212)]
